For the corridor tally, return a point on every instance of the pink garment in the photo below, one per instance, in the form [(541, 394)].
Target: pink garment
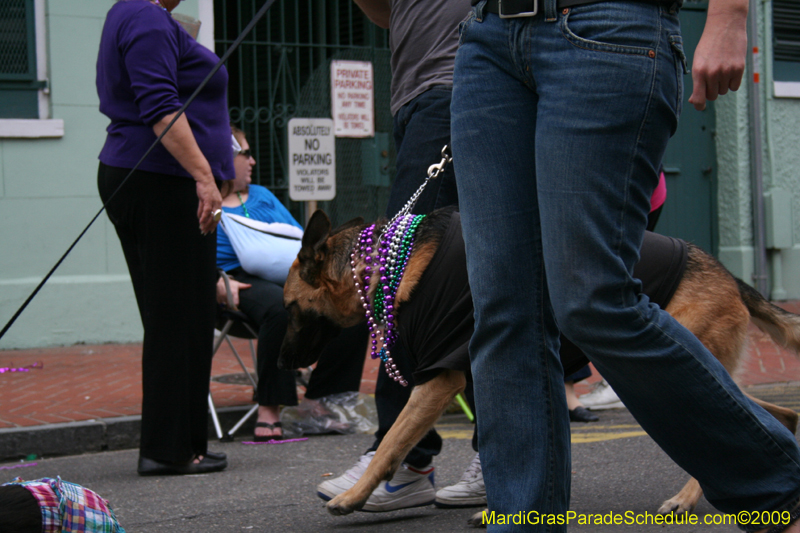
[(660, 194)]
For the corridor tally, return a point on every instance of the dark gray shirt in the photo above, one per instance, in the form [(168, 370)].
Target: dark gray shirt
[(423, 37)]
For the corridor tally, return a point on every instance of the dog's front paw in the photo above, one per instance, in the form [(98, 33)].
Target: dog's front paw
[(343, 504), (674, 505), (476, 520)]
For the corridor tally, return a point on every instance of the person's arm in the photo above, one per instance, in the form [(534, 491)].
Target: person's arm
[(149, 45), (180, 142), (378, 11), (719, 59)]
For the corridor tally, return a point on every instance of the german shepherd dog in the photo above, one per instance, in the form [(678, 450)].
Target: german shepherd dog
[(321, 297)]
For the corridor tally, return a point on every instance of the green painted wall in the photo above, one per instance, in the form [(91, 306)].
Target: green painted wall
[(781, 169), (48, 194)]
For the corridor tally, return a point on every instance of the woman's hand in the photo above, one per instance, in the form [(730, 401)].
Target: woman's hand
[(222, 294), (209, 200), (180, 142)]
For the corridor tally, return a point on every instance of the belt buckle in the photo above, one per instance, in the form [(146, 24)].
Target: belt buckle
[(517, 15)]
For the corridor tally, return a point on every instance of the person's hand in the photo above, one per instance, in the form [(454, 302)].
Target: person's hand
[(719, 59), (208, 201), (236, 286)]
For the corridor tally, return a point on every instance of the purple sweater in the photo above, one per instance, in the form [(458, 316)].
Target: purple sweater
[(148, 66)]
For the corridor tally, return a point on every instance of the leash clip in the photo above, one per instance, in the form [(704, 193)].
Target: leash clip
[(433, 171), (437, 168)]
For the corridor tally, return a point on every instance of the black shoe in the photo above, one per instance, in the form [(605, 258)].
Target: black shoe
[(149, 467), (217, 456), (582, 414)]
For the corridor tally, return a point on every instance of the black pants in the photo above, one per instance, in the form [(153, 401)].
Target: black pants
[(339, 368), (341, 364), (263, 304), (172, 267)]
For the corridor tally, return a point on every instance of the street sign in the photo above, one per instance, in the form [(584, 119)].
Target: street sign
[(312, 159), (352, 97)]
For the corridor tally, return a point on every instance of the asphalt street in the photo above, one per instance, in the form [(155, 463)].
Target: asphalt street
[(616, 468)]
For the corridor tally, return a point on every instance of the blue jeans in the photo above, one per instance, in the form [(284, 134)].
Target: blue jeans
[(559, 123)]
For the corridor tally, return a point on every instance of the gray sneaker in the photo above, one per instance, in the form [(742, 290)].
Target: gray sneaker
[(468, 492)]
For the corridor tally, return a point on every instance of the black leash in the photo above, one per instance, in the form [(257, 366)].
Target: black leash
[(219, 64)]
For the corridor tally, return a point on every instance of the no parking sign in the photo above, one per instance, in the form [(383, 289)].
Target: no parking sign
[(312, 159)]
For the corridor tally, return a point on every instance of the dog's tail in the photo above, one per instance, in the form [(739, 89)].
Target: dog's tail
[(781, 325)]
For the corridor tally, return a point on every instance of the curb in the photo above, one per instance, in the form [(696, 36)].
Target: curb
[(89, 436)]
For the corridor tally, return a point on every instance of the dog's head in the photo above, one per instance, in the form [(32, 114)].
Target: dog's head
[(319, 292)]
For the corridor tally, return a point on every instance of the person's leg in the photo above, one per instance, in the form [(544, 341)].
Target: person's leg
[(172, 265), (470, 490), (523, 431), (179, 326), (577, 411), (390, 399), (421, 129), (341, 364), (599, 140), (263, 304)]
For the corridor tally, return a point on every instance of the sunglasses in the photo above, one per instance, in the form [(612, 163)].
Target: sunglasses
[(247, 153)]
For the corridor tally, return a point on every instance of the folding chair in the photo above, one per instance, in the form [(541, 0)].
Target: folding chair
[(234, 323)]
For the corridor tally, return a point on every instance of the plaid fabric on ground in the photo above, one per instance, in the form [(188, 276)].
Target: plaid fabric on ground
[(70, 508)]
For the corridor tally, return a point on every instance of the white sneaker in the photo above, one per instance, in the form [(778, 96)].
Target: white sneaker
[(328, 490), (602, 397), (468, 492), (410, 487)]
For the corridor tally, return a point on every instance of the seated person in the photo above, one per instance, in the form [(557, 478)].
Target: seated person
[(262, 301)]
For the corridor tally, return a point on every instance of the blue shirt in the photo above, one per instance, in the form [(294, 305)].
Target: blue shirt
[(261, 205), (147, 68)]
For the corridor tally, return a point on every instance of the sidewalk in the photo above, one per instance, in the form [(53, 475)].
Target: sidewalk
[(84, 382), (88, 398)]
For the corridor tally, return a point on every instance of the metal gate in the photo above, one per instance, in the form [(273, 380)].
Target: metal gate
[(282, 71)]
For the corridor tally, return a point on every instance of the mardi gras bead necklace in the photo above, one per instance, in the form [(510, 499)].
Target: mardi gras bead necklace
[(396, 240), (388, 260)]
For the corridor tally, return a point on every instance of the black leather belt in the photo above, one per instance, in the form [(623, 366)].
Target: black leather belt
[(528, 8)]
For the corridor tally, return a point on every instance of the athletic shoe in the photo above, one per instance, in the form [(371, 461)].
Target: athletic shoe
[(328, 490), (468, 492), (410, 487), (602, 397)]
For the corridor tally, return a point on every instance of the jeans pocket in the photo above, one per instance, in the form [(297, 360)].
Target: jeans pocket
[(681, 67), (464, 24), (629, 28)]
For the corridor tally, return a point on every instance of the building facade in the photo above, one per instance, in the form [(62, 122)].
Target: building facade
[(51, 132)]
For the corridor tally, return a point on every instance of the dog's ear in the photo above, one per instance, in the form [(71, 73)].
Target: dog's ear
[(358, 221), (314, 248)]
